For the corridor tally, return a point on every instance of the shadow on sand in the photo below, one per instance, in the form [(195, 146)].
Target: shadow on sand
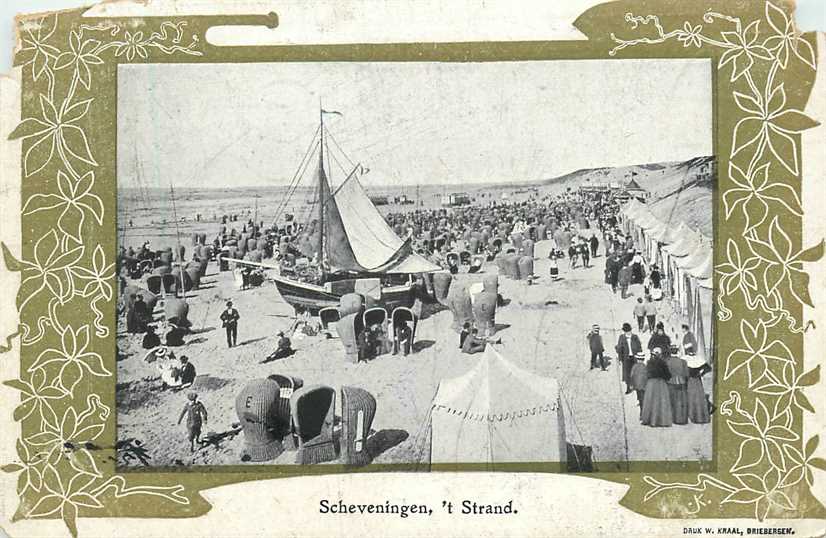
[(384, 440), (421, 345)]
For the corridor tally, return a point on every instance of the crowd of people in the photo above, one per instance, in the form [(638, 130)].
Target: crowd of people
[(666, 376)]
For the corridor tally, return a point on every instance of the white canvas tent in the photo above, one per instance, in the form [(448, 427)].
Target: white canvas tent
[(497, 413), (686, 258)]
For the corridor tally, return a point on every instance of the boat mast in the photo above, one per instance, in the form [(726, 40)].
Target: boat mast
[(178, 236), (321, 200)]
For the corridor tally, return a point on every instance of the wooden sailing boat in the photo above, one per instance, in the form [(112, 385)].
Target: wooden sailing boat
[(356, 251)]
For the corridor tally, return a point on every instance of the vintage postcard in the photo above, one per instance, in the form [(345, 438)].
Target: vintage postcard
[(323, 269)]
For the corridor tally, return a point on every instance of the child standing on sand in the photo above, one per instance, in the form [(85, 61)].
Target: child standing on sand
[(196, 414)]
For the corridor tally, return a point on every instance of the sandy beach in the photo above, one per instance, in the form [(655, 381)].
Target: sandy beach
[(543, 330)]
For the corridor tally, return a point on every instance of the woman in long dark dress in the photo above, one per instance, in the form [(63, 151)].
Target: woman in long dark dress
[(661, 340), (656, 405), (677, 390), (698, 407)]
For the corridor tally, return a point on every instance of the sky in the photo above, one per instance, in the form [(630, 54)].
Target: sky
[(410, 123)]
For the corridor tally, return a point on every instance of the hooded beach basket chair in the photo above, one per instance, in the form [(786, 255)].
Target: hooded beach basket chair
[(349, 328), (285, 428), (374, 315), (154, 283), (329, 318), (257, 409), (313, 413), (358, 408), (402, 314)]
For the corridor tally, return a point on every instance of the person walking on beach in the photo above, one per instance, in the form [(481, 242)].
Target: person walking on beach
[(639, 313), (639, 378), (627, 348), (650, 313), (594, 244), (624, 279), (661, 340), (597, 348), (689, 344), (229, 321), (196, 415)]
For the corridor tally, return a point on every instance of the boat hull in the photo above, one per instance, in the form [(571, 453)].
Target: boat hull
[(303, 296)]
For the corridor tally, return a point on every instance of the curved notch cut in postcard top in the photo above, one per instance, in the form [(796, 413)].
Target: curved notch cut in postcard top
[(245, 263)]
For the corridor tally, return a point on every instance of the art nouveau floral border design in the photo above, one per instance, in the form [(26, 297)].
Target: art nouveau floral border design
[(762, 283), (68, 275), (67, 268)]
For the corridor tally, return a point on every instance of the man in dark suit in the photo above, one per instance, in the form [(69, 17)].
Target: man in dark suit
[(627, 347), (229, 320)]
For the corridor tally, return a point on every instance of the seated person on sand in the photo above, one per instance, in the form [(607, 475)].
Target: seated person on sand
[(187, 372), (473, 344), (150, 339), (168, 367), (366, 345), (175, 335), (403, 337), (283, 350)]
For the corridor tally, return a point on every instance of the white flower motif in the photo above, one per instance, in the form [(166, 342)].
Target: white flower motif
[(691, 35), (784, 264), (742, 49), (754, 192), (73, 358), (762, 436), (98, 277), (756, 352), (787, 39), (48, 270), (134, 44), (736, 272), (64, 498), (75, 199), (769, 124), (70, 440)]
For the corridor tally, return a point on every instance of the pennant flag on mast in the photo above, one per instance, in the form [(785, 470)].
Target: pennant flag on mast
[(336, 112)]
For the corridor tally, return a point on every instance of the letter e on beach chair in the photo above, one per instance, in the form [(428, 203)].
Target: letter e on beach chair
[(313, 413), (358, 408), (257, 409)]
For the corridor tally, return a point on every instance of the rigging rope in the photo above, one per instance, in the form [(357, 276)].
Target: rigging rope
[(299, 172)]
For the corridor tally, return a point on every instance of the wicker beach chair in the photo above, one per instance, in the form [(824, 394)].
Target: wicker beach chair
[(374, 315), (329, 318), (313, 413), (154, 283), (358, 408), (286, 429), (257, 409), (402, 314)]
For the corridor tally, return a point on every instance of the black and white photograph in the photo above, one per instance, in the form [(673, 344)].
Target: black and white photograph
[(415, 263)]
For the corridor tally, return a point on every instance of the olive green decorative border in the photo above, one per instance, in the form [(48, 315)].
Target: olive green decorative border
[(764, 70)]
